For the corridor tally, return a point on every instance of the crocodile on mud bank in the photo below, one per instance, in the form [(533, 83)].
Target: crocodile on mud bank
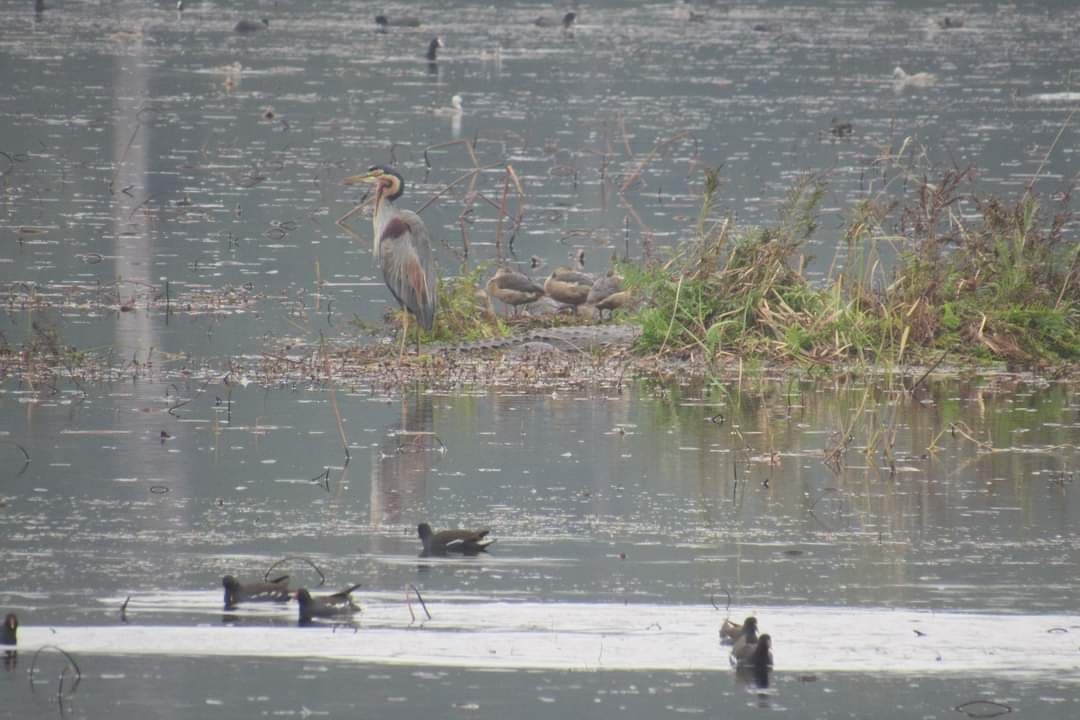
[(569, 338)]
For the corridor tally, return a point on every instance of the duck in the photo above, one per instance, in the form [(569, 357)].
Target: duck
[(607, 294), (433, 49), (514, 288), (569, 287), (902, 79), (402, 21), (746, 638), (756, 655), (730, 632), (466, 542), (840, 128), (546, 21), (8, 631), (276, 590), (325, 606), (246, 27), (945, 22), (455, 110)]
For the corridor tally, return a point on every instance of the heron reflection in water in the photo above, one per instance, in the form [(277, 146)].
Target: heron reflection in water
[(403, 251)]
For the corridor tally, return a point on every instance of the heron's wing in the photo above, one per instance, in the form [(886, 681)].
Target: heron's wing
[(409, 266)]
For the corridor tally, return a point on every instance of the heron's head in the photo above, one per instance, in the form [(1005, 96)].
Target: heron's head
[(568, 19), (391, 184)]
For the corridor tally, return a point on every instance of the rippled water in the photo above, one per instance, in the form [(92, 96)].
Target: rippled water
[(624, 521), (138, 147)]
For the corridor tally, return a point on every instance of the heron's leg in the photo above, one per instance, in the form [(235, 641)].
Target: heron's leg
[(404, 333)]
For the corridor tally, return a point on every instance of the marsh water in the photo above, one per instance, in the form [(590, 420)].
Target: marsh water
[(911, 546)]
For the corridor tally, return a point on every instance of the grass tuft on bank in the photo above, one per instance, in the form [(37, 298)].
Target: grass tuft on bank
[(919, 279)]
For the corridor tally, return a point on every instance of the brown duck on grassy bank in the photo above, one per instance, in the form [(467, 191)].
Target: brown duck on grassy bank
[(570, 285), (444, 542), (514, 288), (607, 293)]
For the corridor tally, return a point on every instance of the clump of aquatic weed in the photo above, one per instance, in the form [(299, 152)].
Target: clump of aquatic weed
[(465, 312), (997, 284)]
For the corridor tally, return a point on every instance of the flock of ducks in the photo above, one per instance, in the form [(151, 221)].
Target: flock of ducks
[(309, 607), (571, 287), (749, 650), (340, 604)]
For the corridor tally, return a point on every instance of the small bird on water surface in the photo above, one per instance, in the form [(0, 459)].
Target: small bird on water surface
[(567, 21), (8, 632), (246, 27), (757, 655), (433, 49), (326, 606), (236, 592), (466, 542), (401, 21), (403, 250), (903, 80), (455, 108), (730, 632), (746, 638), (514, 288)]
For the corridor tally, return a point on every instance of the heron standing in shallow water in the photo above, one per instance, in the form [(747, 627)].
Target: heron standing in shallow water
[(402, 249)]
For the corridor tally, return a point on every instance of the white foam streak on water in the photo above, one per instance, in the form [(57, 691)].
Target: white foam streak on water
[(593, 636)]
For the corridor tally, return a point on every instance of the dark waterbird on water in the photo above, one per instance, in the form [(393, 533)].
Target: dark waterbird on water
[(514, 288), (326, 606), (567, 21), (403, 250), (757, 655), (747, 637), (400, 21), (466, 542), (7, 633), (246, 27), (730, 632), (276, 590), (433, 48)]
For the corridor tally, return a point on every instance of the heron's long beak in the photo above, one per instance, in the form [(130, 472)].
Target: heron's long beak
[(370, 177)]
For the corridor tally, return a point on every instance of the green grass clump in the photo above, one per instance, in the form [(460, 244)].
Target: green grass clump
[(1002, 287)]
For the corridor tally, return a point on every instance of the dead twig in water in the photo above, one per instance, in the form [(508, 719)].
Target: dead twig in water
[(636, 174), (334, 405), (323, 478), (291, 558), (418, 597), (71, 661)]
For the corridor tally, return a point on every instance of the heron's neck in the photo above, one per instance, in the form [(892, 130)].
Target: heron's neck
[(379, 219)]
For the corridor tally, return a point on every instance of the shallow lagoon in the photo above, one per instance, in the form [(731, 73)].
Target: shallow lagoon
[(138, 149)]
